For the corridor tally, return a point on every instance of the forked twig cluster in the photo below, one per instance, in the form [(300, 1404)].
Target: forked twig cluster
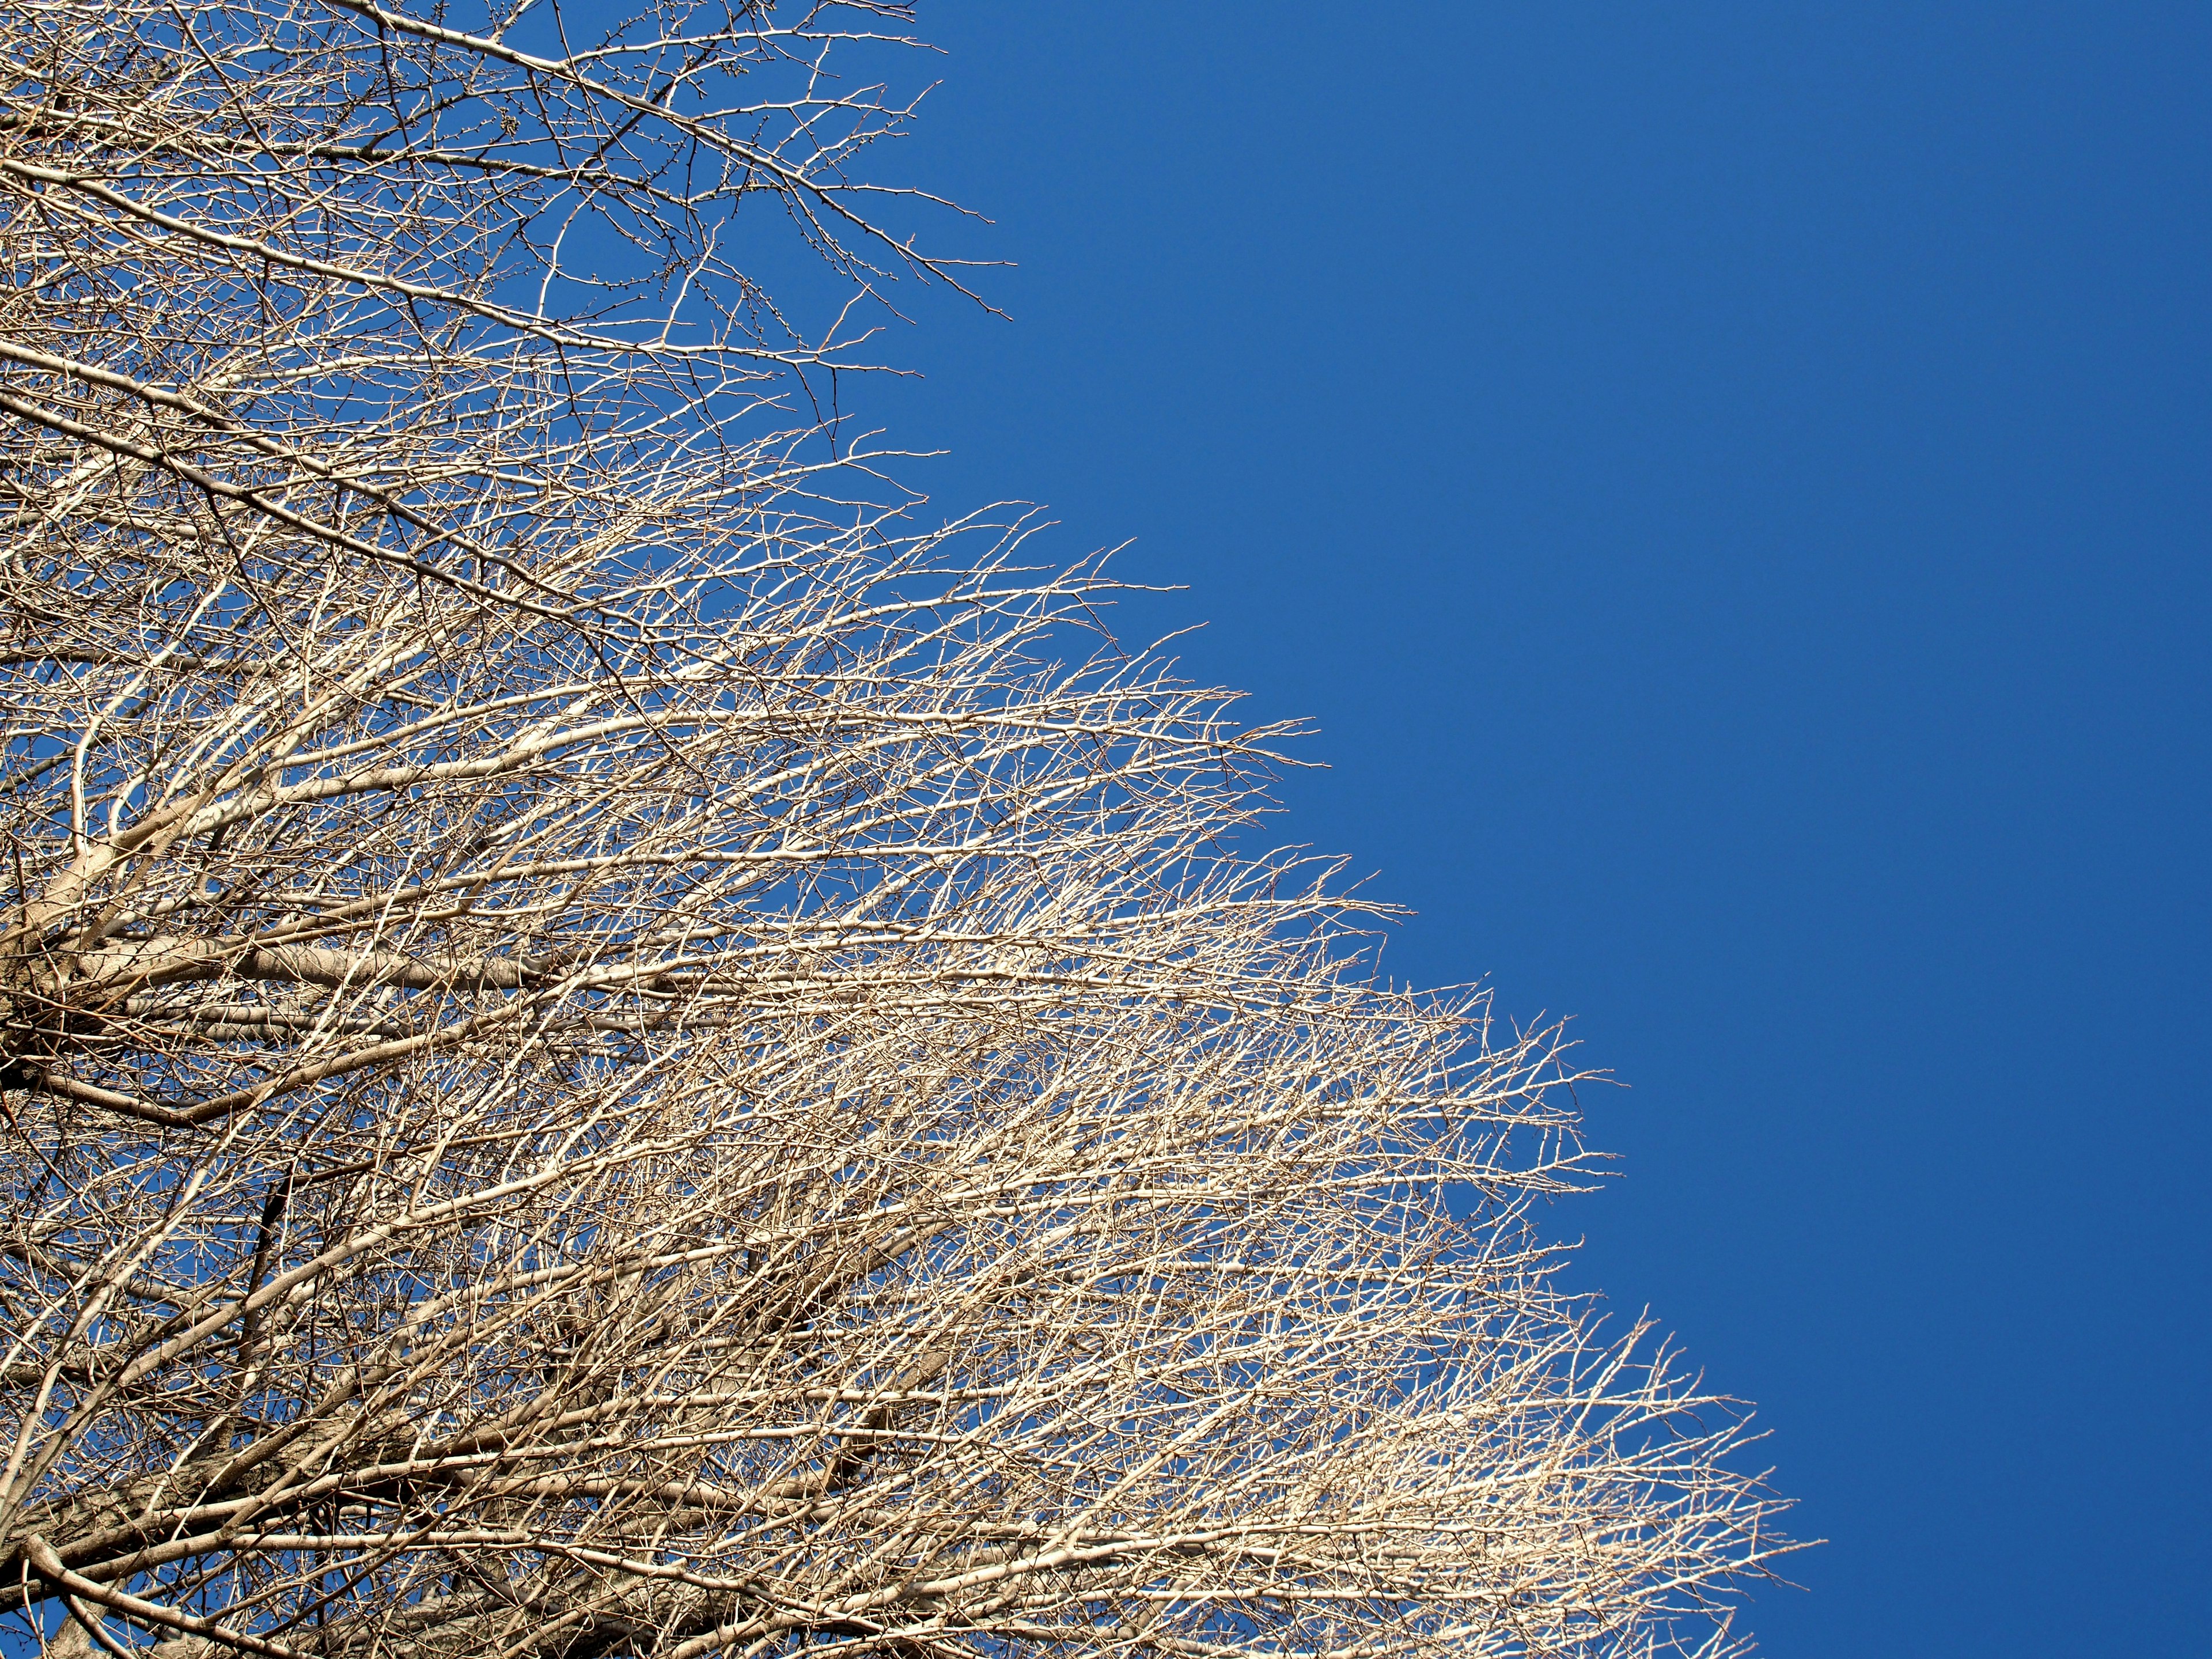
[(602, 1055)]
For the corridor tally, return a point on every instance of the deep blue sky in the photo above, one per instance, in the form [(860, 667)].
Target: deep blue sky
[(1730, 483)]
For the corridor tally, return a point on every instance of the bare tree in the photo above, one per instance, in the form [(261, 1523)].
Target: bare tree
[(602, 1055)]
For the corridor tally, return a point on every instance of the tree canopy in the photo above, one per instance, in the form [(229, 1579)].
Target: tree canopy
[(610, 1045)]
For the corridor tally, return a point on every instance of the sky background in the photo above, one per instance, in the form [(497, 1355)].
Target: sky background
[(1730, 485)]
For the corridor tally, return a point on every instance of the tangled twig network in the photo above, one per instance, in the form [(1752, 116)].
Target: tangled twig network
[(603, 1053)]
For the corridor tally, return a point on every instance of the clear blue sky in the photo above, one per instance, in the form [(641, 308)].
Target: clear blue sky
[(1730, 484)]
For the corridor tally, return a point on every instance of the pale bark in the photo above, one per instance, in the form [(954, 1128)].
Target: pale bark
[(601, 1055)]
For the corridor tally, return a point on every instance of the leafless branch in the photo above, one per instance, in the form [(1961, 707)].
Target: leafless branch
[(605, 1052)]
